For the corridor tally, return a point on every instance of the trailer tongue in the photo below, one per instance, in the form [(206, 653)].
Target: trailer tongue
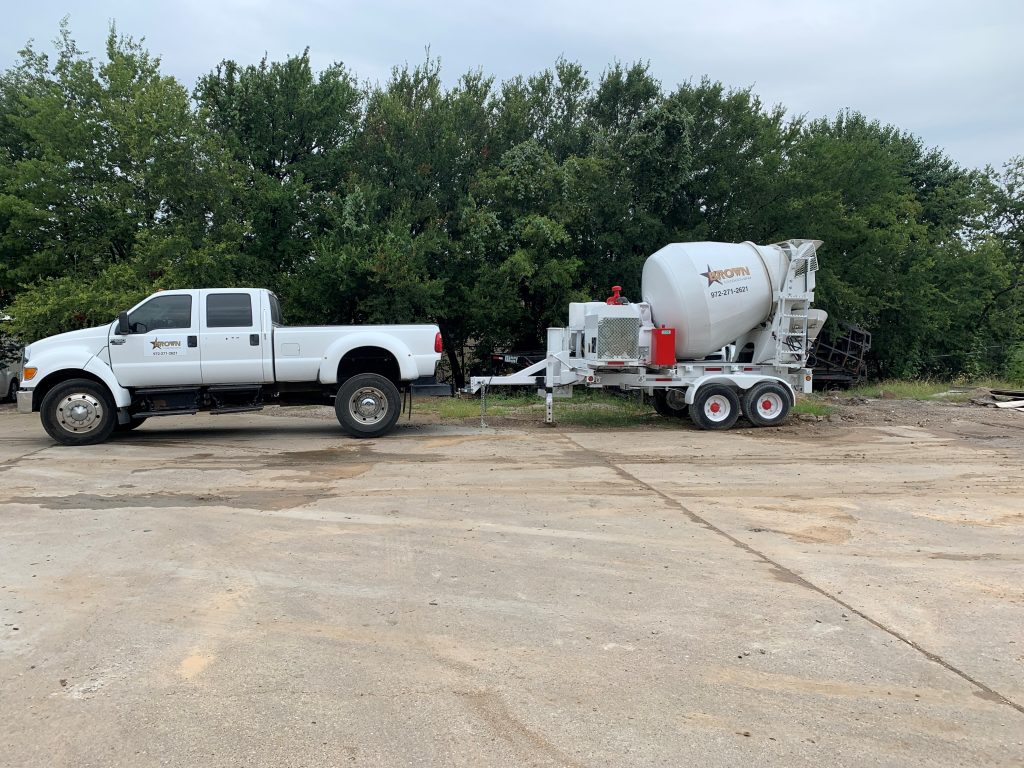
[(723, 330)]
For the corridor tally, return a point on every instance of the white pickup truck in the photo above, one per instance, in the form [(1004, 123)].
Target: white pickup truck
[(219, 350)]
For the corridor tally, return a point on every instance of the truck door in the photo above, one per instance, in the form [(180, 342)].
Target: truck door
[(162, 348), (231, 338)]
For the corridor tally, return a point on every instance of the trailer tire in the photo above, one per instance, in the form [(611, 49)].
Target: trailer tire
[(664, 405), (715, 407), (78, 412), (766, 404), (368, 405)]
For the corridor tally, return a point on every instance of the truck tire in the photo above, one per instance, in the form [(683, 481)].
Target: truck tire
[(670, 402), (12, 391), (766, 404), (368, 405), (715, 407), (78, 412)]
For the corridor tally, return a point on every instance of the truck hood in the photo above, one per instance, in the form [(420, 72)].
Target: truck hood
[(93, 339)]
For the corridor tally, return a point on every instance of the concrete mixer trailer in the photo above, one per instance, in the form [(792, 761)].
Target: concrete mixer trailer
[(723, 330)]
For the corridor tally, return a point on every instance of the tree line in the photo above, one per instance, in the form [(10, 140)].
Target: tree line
[(486, 206)]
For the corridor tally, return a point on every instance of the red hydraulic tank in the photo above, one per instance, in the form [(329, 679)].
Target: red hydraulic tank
[(663, 346)]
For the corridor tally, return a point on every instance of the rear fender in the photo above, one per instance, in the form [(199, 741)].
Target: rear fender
[(332, 357)]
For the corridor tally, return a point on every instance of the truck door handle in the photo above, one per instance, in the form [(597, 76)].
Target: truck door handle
[(193, 341), (254, 339), (118, 341)]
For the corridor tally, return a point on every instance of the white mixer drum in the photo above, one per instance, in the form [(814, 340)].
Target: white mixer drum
[(712, 293)]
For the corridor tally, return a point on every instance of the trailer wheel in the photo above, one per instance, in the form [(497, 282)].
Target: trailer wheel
[(78, 412), (715, 407), (766, 404), (670, 402), (368, 405)]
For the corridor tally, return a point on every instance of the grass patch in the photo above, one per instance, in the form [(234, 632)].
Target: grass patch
[(926, 389), (586, 408), (813, 408), (901, 390)]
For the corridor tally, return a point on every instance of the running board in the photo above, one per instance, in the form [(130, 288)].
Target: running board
[(165, 412), (237, 409)]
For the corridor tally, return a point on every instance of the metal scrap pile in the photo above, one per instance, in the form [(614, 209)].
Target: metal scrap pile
[(1003, 398)]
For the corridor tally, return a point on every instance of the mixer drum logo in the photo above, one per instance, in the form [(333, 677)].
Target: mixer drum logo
[(718, 275)]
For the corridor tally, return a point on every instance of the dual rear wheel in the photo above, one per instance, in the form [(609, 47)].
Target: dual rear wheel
[(368, 405)]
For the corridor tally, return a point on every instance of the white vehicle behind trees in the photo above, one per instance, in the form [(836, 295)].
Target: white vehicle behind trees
[(219, 350)]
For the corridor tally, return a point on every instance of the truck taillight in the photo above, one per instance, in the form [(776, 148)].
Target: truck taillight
[(437, 343)]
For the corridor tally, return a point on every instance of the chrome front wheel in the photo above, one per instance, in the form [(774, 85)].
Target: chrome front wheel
[(78, 412)]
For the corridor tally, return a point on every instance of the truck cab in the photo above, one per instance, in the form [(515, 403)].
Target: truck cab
[(219, 350), (218, 336)]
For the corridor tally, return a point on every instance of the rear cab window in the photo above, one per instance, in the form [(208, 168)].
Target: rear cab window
[(275, 310), (229, 310)]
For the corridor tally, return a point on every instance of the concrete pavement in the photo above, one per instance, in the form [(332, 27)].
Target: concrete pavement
[(259, 591)]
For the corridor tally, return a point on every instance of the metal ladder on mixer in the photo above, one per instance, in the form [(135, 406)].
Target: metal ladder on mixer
[(792, 307)]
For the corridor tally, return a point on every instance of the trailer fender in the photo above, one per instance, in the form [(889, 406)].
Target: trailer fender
[(332, 357), (740, 381)]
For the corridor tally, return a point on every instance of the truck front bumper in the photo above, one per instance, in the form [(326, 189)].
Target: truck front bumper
[(24, 401)]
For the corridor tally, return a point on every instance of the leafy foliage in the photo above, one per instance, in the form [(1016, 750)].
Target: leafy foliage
[(485, 207)]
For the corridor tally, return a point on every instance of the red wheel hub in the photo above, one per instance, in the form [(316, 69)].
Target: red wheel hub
[(766, 405), (715, 408)]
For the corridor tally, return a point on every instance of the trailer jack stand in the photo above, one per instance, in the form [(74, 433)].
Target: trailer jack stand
[(549, 408)]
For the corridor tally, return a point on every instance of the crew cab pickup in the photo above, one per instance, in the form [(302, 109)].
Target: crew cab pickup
[(221, 350)]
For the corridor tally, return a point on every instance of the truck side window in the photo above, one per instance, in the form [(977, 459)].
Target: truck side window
[(228, 310), (162, 313), (275, 311)]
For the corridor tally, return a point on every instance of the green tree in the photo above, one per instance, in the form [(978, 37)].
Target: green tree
[(858, 185), (290, 134), (102, 154), (741, 149)]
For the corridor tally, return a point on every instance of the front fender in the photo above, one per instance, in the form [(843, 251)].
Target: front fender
[(332, 357), (77, 359), (739, 380)]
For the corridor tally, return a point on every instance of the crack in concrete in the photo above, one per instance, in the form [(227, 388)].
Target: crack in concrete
[(11, 463), (786, 574)]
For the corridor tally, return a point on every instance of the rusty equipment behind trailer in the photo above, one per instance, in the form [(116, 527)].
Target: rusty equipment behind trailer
[(840, 361)]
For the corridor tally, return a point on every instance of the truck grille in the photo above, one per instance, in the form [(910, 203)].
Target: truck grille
[(618, 338)]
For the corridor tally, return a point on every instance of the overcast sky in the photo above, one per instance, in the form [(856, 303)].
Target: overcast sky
[(949, 71)]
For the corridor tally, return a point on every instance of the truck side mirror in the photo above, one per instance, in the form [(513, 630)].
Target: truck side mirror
[(123, 329)]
